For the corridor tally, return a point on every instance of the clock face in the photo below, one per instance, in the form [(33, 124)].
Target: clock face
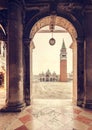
[(52, 41)]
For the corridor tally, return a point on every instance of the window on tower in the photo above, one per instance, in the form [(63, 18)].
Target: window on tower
[(64, 55)]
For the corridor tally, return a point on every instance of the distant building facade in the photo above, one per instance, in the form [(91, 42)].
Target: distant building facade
[(48, 77)]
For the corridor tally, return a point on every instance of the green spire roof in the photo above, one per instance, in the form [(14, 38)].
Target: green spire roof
[(63, 45)]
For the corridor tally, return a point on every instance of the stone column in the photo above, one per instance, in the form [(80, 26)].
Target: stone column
[(80, 71), (87, 27), (27, 71), (32, 46), (14, 72), (74, 65), (88, 74)]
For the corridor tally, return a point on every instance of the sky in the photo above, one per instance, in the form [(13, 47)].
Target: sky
[(46, 56)]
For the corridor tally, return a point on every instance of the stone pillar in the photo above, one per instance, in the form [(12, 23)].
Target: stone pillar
[(80, 71), (14, 72), (88, 50), (32, 46), (74, 51), (27, 71), (88, 74)]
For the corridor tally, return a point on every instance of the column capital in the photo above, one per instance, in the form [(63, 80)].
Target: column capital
[(88, 8), (16, 10), (16, 2)]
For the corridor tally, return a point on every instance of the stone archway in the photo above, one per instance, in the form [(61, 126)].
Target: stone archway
[(2, 33), (78, 51)]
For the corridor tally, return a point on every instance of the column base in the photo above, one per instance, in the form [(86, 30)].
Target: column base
[(87, 104), (74, 100), (28, 102), (80, 103), (13, 107)]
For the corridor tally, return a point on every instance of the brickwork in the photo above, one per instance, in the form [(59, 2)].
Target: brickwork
[(63, 70)]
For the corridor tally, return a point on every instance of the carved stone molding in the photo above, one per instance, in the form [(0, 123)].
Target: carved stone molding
[(59, 21), (69, 6)]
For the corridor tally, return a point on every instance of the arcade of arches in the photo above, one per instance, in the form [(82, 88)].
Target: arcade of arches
[(20, 20)]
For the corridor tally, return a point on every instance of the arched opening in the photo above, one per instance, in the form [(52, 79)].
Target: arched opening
[(68, 26), (47, 59), (72, 25)]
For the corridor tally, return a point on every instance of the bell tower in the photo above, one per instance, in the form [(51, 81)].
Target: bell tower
[(63, 63)]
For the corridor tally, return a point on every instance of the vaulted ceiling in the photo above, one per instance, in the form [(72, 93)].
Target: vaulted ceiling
[(33, 7), (30, 4)]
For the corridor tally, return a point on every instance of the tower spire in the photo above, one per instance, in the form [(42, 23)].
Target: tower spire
[(63, 45)]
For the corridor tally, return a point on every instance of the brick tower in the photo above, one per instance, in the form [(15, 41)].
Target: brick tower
[(63, 63)]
